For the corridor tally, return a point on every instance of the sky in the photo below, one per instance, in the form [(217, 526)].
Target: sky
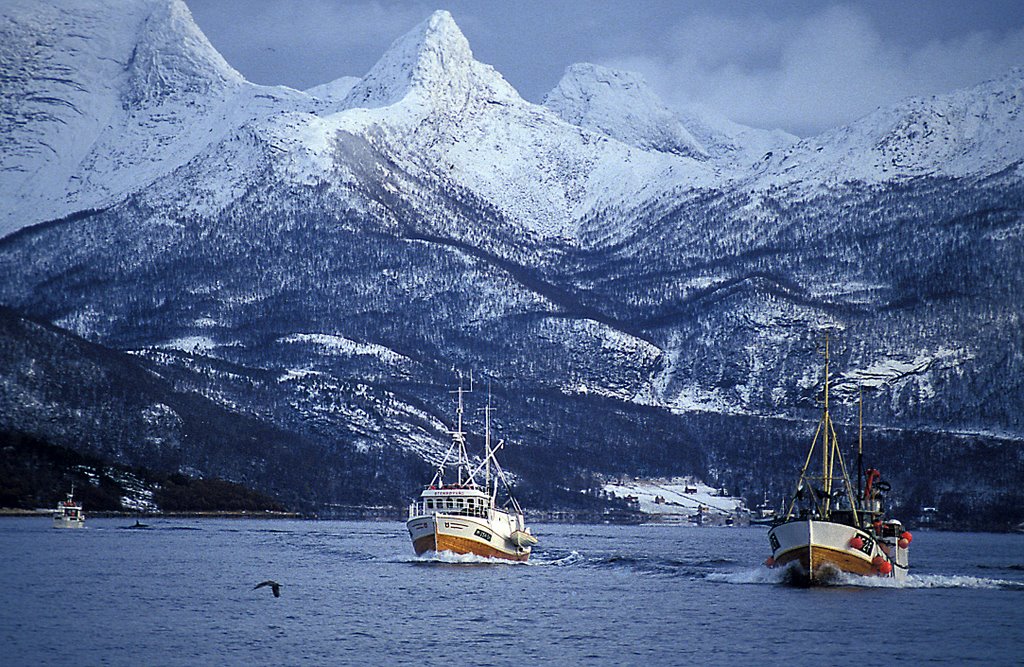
[(803, 66)]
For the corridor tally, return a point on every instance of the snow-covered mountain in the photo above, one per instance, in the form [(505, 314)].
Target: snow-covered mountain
[(103, 99), (977, 131), (620, 105), (452, 119), (626, 274), (89, 121), (100, 99)]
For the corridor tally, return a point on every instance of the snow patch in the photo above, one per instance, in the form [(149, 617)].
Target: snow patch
[(190, 344), (673, 496), (336, 344)]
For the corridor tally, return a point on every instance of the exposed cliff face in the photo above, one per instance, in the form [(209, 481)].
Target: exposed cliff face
[(320, 261)]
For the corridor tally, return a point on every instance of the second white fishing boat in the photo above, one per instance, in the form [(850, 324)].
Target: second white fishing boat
[(69, 513), (831, 527)]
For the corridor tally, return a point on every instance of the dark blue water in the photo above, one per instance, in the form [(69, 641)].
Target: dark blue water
[(181, 594)]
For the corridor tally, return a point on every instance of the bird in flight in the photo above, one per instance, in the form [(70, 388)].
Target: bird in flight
[(274, 586)]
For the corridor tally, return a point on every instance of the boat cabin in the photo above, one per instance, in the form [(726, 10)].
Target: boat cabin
[(453, 500), (70, 512)]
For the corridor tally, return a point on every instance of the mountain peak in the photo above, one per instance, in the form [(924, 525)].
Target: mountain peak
[(620, 104), (441, 28), (174, 57), (434, 60)]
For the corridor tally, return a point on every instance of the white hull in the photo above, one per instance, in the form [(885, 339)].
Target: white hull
[(61, 522), (818, 548), (466, 535)]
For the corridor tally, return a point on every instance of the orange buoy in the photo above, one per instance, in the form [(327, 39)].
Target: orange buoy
[(769, 562), (904, 543), (856, 542), (885, 567), (908, 536), (877, 561)]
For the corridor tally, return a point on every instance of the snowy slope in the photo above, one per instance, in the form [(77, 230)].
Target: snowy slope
[(101, 98), (678, 496), (457, 120), (105, 98), (975, 131), (620, 105), (112, 101), (333, 93), (732, 143)]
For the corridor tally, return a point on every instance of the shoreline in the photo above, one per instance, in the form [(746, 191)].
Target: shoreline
[(226, 514)]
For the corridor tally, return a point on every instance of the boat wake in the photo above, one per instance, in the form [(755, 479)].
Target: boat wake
[(451, 558), (784, 576), (566, 560), (931, 581), (753, 575)]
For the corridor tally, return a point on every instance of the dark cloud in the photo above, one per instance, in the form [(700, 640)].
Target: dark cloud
[(809, 73), (802, 65)]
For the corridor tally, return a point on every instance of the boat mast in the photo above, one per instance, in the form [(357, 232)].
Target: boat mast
[(487, 442), (860, 444), (827, 445), (830, 452), (458, 435)]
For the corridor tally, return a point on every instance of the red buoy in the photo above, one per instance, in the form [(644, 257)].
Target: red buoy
[(885, 567), (769, 562), (856, 542), (904, 543), (877, 561), (908, 536)]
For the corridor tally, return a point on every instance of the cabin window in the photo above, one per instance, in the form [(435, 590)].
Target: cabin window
[(430, 504)]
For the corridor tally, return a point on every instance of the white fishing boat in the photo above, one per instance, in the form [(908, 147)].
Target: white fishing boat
[(462, 516), (69, 513), (830, 526)]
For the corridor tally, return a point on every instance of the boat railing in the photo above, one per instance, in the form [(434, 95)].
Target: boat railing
[(422, 509)]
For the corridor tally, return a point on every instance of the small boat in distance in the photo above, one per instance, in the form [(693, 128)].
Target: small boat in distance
[(829, 527), (69, 513), (463, 517), (764, 514)]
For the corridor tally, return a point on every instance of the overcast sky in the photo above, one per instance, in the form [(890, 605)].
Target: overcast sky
[(803, 65)]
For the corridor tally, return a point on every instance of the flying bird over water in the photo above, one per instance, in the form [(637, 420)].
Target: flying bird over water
[(274, 586)]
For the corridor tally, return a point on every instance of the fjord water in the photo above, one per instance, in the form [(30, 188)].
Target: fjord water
[(180, 593)]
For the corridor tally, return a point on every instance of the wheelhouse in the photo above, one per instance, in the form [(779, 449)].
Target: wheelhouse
[(453, 501)]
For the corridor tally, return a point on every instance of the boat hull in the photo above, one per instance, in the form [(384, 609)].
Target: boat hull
[(817, 550), (61, 522), (462, 535)]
